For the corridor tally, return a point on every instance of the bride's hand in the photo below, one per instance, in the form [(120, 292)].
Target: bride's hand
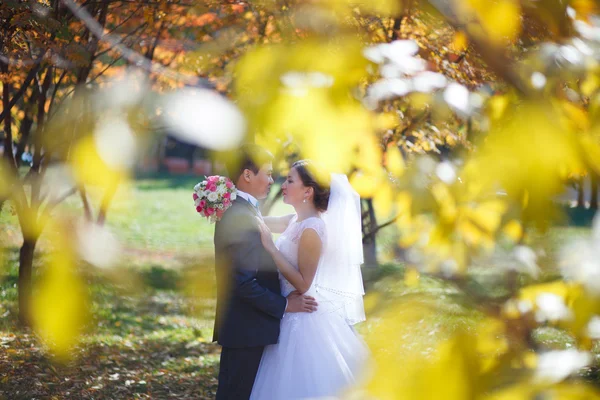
[(266, 237)]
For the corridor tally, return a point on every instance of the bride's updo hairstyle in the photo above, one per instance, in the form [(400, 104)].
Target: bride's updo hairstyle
[(307, 170)]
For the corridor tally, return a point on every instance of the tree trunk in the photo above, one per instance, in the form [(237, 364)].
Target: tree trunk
[(369, 225), (25, 131), (581, 193), (26, 125), (594, 193), (396, 28), (8, 139), (25, 273)]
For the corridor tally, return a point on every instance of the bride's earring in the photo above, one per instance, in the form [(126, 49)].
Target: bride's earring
[(304, 201)]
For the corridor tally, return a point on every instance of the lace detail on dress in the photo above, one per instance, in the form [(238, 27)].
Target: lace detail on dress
[(314, 223), (289, 242)]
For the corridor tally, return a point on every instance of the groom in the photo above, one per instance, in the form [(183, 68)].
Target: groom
[(249, 301)]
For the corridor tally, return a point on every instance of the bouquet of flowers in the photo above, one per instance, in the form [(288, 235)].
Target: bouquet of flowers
[(214, 196)]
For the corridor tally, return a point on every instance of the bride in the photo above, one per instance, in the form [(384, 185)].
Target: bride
[(318, 253)]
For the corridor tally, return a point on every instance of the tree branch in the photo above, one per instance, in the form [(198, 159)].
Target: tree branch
[(17, 96), (380, 227)]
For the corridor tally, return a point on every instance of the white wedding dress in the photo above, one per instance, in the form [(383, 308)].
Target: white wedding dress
[(319, 354)]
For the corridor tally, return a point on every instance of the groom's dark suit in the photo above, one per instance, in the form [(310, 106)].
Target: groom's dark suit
[(249, 301)]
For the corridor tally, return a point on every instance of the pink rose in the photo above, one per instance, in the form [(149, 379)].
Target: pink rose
[(199, 209), (205, 212), (226, 195), (220, 214), (213, 179), (210, 210), (195, 196), (226, 202), (212, 187), (202, 203), (229, 184)]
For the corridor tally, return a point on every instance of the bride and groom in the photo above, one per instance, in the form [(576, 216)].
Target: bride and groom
[(285, 309)]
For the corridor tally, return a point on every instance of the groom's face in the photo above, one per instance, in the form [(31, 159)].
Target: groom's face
[(262, 181)]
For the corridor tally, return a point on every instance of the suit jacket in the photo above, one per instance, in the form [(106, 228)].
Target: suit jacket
[(249, 301)]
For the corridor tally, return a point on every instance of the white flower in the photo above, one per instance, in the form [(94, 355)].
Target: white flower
[(221, 189), (233, 196), (213, 196), (197, 201), (554, 366), (197, 187), (551, 307)]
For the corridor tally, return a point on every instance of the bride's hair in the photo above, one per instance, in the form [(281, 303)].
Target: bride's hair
[(308, 171)]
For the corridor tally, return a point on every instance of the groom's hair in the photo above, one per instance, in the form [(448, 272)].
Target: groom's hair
[(249, 156)]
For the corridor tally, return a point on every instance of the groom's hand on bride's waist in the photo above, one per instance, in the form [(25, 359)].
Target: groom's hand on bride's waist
[(297, 302)]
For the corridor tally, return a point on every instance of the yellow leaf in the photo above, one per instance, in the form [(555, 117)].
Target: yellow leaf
[(491, 342), (513, 230), (561, 391), (59, 307), (591, 151), (383, 199), (411, 277), (401, 371), (89, 168), (559, 288), (371, 301), (497, 106), (366, 186), (394, 161), (383, 7), (487, 215), (460, 41), (590, 84), (577, 116), (500, 19)]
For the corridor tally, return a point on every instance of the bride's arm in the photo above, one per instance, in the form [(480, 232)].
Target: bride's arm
[(309, 252), (278, 224)]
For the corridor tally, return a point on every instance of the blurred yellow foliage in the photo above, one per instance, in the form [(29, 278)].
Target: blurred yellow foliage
[(300, 91), (529, 155), (60, 303), (499, 20), (90, 169), (415, 371), (562, 391)]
